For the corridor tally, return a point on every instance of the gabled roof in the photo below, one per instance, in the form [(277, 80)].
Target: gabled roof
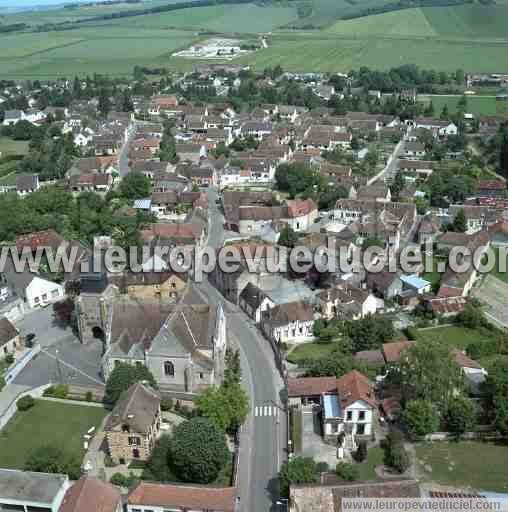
[(188, 497), (392, 351), (7, 331), (89, 494), (354, 386), (311, 386), (137, 408)]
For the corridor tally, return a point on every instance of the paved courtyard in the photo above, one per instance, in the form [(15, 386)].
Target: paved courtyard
[(494, 294), (62, 358)]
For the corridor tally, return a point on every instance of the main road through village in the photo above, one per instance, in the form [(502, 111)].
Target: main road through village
[(263, 437)]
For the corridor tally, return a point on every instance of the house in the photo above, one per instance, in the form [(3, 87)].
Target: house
[(191, 152), (89, 494), (346, 301), (164, 285), (289, 323), (33, 289), (473, 372), (387, 285), (35, 116), (422, 168), (414, 149), (134, 424), (328, 498), (254, 302), (428, 230), (154, 497), (499, 234), (27, 490), (256, 129), (9, 337), (393, 351), (416, 284), (348, 403), (379, 193), (491, 188), (12, 117), (92, 182), (192, 234), (26, 184)]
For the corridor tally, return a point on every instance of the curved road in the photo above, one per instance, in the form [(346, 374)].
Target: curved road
[(263, 437)]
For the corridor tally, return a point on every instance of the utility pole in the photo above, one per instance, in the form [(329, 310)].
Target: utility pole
[(59, 369)]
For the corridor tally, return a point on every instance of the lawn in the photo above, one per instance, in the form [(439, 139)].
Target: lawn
[(496, 272), (453, 336), (309, 351), (296, 429), (477, 105), (481, 466), (366, 468), (13, 147), (46, 423)]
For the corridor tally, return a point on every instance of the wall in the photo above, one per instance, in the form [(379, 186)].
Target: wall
[(16, 368)]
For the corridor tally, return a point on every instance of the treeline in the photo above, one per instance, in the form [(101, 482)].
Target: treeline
[(13, 27), (103, 3), (402, 4)]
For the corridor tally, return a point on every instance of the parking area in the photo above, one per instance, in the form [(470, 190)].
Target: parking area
[(62, 358), (494, 294)]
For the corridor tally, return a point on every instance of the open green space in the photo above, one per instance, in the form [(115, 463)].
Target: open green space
[(13, 147), (47, 423), (366, 469), (477, 105), (481, 466), (310, 351), (499, 272), (453, 336)]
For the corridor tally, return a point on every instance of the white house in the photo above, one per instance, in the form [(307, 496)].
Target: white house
[(12, 117), (35, 116), (291, 323)]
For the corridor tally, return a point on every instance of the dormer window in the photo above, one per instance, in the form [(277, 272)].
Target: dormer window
[(126, 428)]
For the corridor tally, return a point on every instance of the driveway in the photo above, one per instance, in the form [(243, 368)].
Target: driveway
[(63, 358)]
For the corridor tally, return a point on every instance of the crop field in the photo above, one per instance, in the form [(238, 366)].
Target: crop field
[(477, 105)]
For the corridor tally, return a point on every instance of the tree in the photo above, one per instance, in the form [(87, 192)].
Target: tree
[(233, 370), (497, 388), (297, 178), (198, 451), (460, 222), (471, 316), (53, 459), (503, 151), (226, 406), (346, 471), (64, 311), (420, 417), (395, 453), (22, 130), (460, 76), (369, 332), (298, 470), (361, 452), (157, 466), (444, 113), (428, 372), (288, 237), (135, 186), (122, 377), (460, 416), (397, 185), (104, 103)]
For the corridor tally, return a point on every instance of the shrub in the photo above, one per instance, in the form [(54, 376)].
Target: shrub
[(361, 453), (399, 458), (411, 333), (118, 479), (25, 403), (89, 396), (322, 467), (59, 391), (109, 462), (9, 359), (166, 404), (346, 471)]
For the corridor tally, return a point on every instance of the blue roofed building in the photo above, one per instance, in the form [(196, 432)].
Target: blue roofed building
[(416, 284)]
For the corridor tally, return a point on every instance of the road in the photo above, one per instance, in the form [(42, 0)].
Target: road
[(263, 437), (391, 167), (123, 155)]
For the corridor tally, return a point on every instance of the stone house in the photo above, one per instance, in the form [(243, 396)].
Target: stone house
[(165, 285), (347, 301), (9, 338), (134, 424), (387, 285)]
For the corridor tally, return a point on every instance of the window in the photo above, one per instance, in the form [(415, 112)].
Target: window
[(54, 293), (36, 300), (169, 369), (134, 441), (349, 416), (135, 453), (45, 296), (361, 416)]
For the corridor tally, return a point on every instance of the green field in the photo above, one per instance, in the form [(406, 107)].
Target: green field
[(310, 351), (47, 423), (13, 147), (453, 336), (473, 37), (476, 465), (477, 105)]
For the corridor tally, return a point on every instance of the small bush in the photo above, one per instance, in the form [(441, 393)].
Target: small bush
[(9, 359), (109, 462), (59, 391), (166, 404), (124, 481), (25, 403), (322, 467), (399, 459), (361, 452), (89, 396), (411, 333), (346, 471)]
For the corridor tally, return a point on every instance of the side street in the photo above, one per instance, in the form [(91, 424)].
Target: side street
[(251, 390)]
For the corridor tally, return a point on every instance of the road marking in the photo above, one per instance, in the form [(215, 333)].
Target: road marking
[(266, 411)]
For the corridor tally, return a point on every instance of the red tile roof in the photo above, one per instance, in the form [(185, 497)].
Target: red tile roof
[(354, 386), (89, 494), (184, 496), (311, 386), (392, 351), (47, 238), (464, 361)]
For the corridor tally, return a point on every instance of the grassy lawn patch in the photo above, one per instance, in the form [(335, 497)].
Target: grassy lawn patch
[(503, 276), (296, 429), (481, 466), (310, 351), (47, 423), (13, 147), (366, 468), (454, 336)]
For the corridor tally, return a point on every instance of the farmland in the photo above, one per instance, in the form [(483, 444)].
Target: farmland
[(477, 105), (473, 37)]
